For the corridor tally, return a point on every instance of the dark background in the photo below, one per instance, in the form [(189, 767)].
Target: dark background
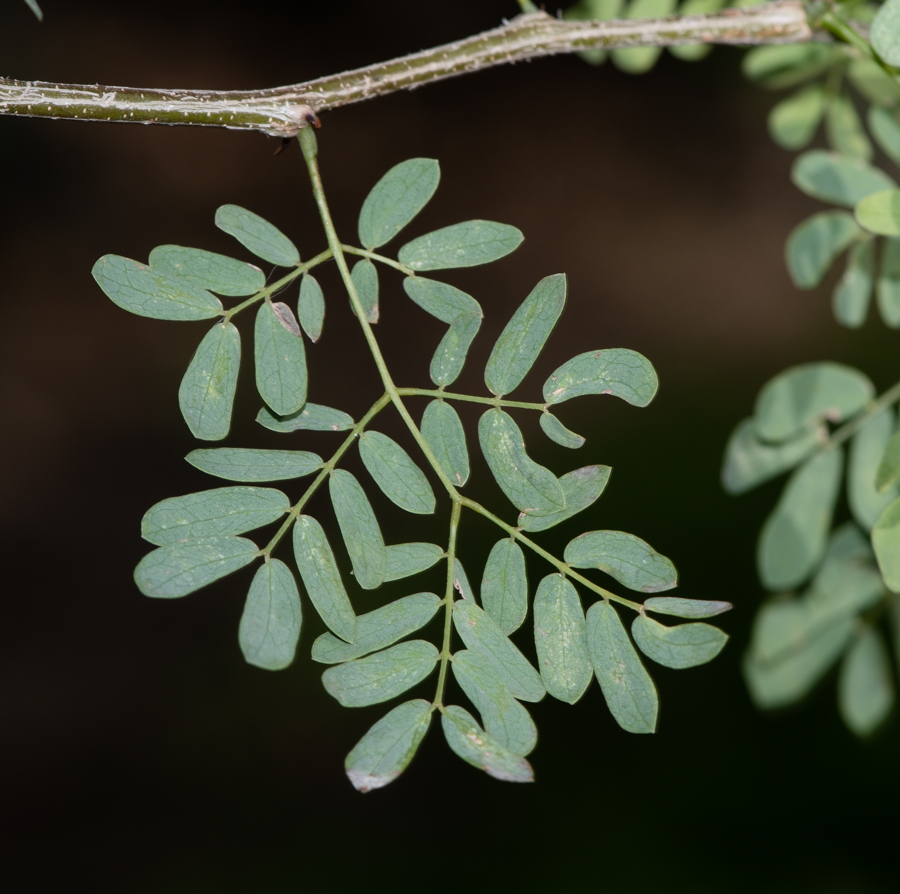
[(139, 752)]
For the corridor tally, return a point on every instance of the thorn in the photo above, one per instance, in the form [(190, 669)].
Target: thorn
[(285, 142)]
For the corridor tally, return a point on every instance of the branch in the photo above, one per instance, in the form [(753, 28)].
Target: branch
[(283, 111)]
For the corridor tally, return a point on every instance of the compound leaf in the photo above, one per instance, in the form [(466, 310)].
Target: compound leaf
[(407, 559), (627, 687), (837, 178), (502, 716), (321, 577), (395, 473), (481, 634), (365, 281), (814, 244), (311, 307), (251, 464), (504, 586), (443, 432), (206, 393), (525, 335), (270, 624), (530, 487), (581, 488), (207, 270), (853, 293), (885, 32), (865, 684), (450, 355), (382, 676), (686, 645), (396, 199), (378, 629), (177, 569), (794, 121), (561, 639), (617, 371), (358, 524), (880, 212), (140, 290), (627, 558), (685, 608), (385, 751), (794, 536), (440, 300), (478, 748), (887, 287), (280, 357), (313, 417), (805, 394), (257, 235), (866, 451), (558, 433), (212, 513), (461, 245)]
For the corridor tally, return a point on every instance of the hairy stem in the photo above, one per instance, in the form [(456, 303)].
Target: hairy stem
[(448, 606), (284, 111)]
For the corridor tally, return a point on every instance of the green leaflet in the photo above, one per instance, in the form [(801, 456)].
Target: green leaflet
[(530, 487), (865, 685), (476, 747), (637, 60), (503, 718), (581, 488), (385, 751), (836, 178), (794, 121), (685, 608), (887, 288), (280, 360), (207, 270), (270, 624), (504, 586), (814, 244), (794, 536), (866, 450), (749, 461), (378, 629), (177, 569), (888, 472), (525, 335), (33, 6), (481, 634), (461, 245), (450, 355), (777, 67), (395, 473), (885, 33), (886, 130), (140, 290), (875, 84), (257, 235), (321, 577), (615, 371), (396, 199), (880, 213), (627, 687), (213, 513), (853, 293), (250, 464), (558, 433), (407, 559), (627, 558), (805, 394), (844, 130), (313, 417), (443, 432), (382, 676), (311, 307), (358, 524), (561, 639), (206, 393), (461, 582), (440, 300), (685, 645), (365, 281), (886, 543)]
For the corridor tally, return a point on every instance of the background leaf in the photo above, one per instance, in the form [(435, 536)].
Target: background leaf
[(257, 235), (794, 121), (476, 747), (525, 335), (395, 473), (837, 178), (866, 450), (885, 32), (311, 307), (887, 286), (865, 686), (443, 432), (630, 560), (615, 371), (888, 471), (270, 624), (581, 488), (461, 245), (682, 646), (504, 586), (358, 524), (886, 543), (814, 244), (280, 363), (206, 393), (886, 130), (853, 293), (251, 464), (880, 212), (396, 199), (844, 129), (313, 417), (208, 270)]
